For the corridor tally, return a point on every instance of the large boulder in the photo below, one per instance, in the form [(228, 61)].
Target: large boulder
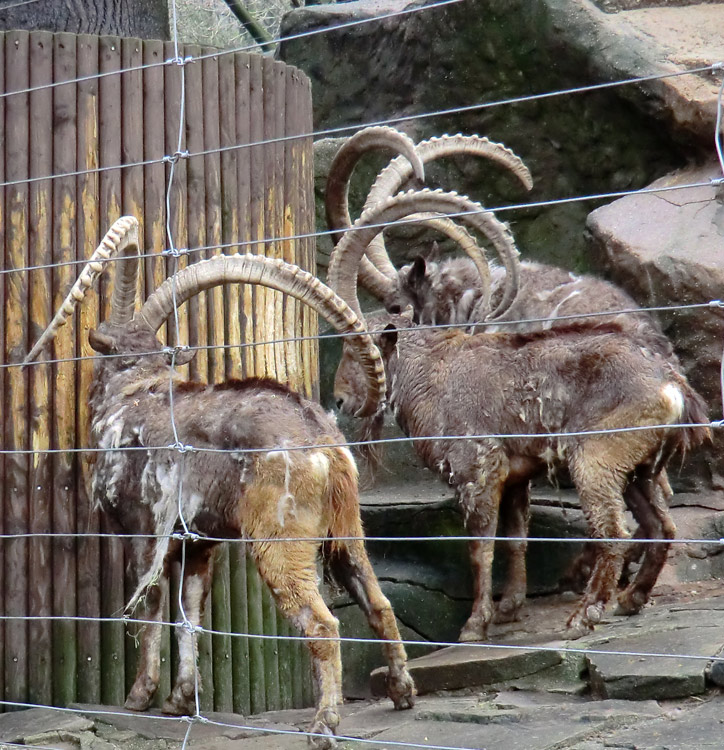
[(665, 248)]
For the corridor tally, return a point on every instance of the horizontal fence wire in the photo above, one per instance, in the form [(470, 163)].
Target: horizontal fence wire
[(175, 252)]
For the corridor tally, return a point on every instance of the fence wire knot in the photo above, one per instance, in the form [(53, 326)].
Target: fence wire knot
[(174, 158), (186, 536), (178, 60), (717, 181), (176, 252), (716, 303), (718, 66), (717, 423), (174, 351)]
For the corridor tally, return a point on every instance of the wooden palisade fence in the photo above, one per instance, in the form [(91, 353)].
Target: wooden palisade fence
[(59, 197)]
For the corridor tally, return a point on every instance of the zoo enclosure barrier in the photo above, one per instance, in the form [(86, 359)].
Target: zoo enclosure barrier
[(174, 161)]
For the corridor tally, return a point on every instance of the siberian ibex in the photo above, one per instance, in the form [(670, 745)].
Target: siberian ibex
[(485, 402), (266, 465)]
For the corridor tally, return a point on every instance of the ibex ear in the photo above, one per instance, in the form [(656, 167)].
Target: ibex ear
[(435, 253), (100, 342), (418, 270), (388, 339)]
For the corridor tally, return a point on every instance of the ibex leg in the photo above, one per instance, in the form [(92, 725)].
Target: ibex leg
[(600, 485), (351, 567), (480, 505), (647, 503), (514, 522), (196, 582), (148, 673), (289, 569)]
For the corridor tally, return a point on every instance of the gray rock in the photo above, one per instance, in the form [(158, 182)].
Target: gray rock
[(16, 725), (665, 249), (655, 677), (471, 666)]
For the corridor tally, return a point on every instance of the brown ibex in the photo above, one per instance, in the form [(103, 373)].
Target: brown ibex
[(456, 291), (245, 477), (511, 390)]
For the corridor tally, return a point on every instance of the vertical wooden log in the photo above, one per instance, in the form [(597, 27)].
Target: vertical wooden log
[(270, 307), (112, 559), (196, 209), (64, 468), (40, 568), (4, 495), (240, 625), (255, 301), (235, 130), (175, 181), (223, 691), (154, 229), (176, 188), (198, 307), (244, 114), (89, 561), (16, 383), (131, 122), (257, 671), (307, 172)]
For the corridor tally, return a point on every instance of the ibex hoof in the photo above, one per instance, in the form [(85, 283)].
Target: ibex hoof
[(182, 701), (475, 629), (141, 695), (508, 609), (630, 603), (322, 729), (401, 690)]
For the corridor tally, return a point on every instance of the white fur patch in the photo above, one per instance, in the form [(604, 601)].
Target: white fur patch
[(675, 398)]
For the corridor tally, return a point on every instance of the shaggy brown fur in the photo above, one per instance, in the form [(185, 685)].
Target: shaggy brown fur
[(456, 384), (260, 489)]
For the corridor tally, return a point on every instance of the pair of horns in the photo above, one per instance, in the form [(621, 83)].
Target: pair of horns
[(376, 272), (122, 242)]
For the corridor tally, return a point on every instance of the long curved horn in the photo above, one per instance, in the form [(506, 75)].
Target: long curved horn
[(284, 277), (343, 265), (336, 197), (121, 239), (392, 178), (379, 276)]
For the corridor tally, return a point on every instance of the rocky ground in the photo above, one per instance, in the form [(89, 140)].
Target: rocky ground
[(569, 696)]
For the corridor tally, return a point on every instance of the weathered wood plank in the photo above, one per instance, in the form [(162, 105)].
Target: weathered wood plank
[(132, 117), (223, 689), (3, 485), (113, 685), (243, 108), (254, 304), (154, 231), (88, 521), (16, 383), (64, 465), (40, 563)]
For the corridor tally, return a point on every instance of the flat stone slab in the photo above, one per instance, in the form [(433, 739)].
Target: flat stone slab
[(471, 666), (15, 726)]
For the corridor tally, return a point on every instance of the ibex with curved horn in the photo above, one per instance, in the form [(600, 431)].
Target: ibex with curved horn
[(456, 291), (266, 465), (593, 381)]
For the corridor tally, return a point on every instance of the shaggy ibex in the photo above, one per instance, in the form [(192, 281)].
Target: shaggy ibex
[(245, 476), (455, 291), (578, 379)]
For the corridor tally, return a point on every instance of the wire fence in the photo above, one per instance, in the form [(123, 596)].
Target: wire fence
[(175, 253)]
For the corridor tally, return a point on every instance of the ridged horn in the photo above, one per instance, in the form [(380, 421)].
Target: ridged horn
[(284, 277), (394, 176), (121, 239), (380, 274), (343, 265)]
